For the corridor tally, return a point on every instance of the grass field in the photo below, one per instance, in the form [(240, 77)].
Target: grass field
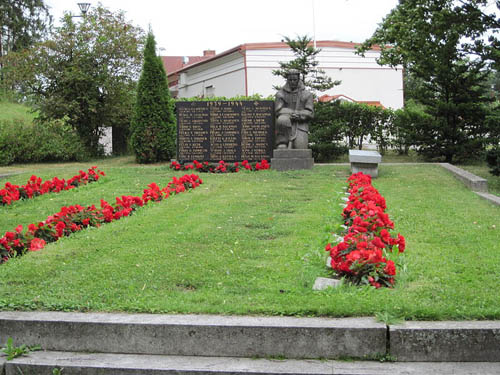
[(14, 111), (252, 243)]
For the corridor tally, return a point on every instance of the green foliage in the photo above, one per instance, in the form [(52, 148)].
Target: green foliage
[(307, 64), (338, 122), (493, 160), (22, 23), (23, 141), (85, 72), (327, 131), (13, 351), (434, 40), (408, 123), (153, 124)]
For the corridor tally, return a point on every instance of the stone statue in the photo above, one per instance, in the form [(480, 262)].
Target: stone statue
[(294, 110)]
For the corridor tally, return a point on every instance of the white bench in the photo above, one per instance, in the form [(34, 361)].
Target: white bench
[(365, 161)]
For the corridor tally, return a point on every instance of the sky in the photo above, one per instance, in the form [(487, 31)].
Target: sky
[(188, 27)]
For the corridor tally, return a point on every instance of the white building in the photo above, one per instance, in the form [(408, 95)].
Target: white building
[(247, 70)]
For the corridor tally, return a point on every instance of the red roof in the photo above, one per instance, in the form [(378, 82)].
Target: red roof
[(175, 63), (328, 98), (176, 68), (374, 103)]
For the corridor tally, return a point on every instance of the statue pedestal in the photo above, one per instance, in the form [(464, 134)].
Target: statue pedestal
[(286, 160)]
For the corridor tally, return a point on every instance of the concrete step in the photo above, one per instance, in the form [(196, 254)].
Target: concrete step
[(247, 336), (467, 341), (44, 363), (196, 335)]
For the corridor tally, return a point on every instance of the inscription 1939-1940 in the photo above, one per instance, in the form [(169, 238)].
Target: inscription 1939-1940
[(225, 130)]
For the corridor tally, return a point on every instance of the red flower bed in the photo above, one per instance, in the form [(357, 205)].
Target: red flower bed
[(74, 218), (361, 256), (35, 186), (221, 166)]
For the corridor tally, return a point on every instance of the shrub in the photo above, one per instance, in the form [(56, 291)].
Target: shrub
[(26, 142), (408, 124), (326, 132)]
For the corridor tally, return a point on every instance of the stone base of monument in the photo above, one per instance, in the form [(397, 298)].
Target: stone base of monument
[(365, 161), (286, 159)]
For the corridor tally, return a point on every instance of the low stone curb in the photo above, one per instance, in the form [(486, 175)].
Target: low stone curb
[(43, 363), (473, 182), (8, 174), (489, 197)]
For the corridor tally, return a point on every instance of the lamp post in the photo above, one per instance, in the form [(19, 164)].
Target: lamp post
[(84, 7)]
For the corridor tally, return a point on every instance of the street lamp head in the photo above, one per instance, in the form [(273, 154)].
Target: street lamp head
[(84, 7)]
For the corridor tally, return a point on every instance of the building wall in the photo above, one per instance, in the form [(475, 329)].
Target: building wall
[(224, 76), (362, 78)]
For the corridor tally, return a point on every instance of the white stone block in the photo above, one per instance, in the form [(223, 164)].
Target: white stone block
[(322, 283), (363, 156), (365, 161)]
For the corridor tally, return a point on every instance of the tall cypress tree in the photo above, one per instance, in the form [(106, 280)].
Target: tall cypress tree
[(153, 124)]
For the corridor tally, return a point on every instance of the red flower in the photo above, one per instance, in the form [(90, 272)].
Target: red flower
[(390, 268), (401, 243), (60, 228), (377, 242), (386, 237), (37, 244)]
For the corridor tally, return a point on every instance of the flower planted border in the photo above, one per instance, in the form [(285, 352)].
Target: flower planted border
[(221, 166), (361, 256), (75, 218), (35, 186)]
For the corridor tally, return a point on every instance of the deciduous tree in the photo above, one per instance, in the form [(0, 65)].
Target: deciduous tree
[(84, 73), (22, 23)]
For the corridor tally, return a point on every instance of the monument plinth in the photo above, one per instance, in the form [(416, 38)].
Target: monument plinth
[(291, 159)]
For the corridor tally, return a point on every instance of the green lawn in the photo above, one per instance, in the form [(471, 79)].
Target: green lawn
[(252, 243), (14, 111)]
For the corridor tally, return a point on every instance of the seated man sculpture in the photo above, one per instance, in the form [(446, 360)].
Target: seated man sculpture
[(294, 109)]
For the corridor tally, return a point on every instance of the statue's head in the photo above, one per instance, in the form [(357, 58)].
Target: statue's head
[(293, 78)]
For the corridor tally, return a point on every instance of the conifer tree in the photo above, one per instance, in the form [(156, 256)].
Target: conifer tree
[(153, 123), (445, 46), (306, 63)]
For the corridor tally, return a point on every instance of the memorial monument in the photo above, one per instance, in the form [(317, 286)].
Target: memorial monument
[(229, 130), (294, 110)]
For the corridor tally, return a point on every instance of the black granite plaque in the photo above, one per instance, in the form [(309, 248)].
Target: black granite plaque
[(225, 130)]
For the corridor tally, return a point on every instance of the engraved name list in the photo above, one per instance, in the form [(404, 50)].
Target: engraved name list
[(225, 130)]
